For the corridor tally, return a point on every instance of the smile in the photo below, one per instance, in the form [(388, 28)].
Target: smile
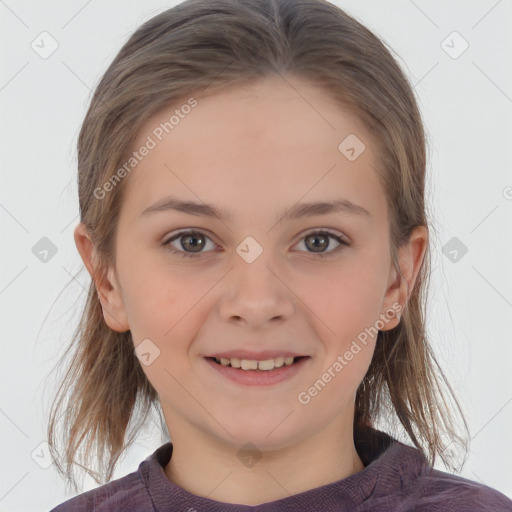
[(251, 364), (252, 372)]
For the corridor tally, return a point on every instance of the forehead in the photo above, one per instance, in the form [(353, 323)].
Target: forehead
[(275, 139)]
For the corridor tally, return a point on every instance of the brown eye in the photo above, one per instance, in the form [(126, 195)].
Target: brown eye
[(319, 241), (191, 243)]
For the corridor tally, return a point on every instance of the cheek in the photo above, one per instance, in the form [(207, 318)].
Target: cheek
[(346, 298), (153, 294), (165, 305), (161, 315), (158, 311), (347, 308)]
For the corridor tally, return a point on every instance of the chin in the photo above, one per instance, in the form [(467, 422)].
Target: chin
[(264, 434)]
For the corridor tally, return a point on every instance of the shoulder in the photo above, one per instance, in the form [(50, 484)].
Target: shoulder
[(437, 490), (405, 481), (130, 493), (127, 493)]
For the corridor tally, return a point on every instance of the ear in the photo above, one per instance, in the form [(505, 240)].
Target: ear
[(410, 257), (107, 286)]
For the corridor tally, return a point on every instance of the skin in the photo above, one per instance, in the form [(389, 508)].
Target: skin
[(254, 151)]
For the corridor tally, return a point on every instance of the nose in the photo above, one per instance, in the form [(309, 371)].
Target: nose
[(255, 294)]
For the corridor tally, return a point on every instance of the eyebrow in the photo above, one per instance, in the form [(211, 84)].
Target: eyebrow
[(298, 210)]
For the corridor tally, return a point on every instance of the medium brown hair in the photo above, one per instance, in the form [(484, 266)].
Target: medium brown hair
[(197, 45)]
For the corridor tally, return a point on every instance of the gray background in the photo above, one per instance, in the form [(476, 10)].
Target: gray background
[(467, 105)]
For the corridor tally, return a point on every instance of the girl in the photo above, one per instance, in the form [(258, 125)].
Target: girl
[(251, 186)]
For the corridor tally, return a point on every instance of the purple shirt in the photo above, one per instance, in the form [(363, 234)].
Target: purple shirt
[(396, 478)]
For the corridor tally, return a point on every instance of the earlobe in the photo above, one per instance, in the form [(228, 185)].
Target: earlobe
[(107, 287)]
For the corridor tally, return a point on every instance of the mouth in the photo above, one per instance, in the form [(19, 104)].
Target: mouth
[(254, 365), (258, 373)]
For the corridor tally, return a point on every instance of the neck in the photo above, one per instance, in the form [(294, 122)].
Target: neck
[(227, 476)]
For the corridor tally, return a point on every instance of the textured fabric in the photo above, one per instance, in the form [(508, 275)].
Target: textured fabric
[(396, 478)]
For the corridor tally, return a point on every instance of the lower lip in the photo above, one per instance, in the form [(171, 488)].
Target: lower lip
[(259, 377)]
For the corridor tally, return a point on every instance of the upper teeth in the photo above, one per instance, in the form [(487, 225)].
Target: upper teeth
[(250, 364)]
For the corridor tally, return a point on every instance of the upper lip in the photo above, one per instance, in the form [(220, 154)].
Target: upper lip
[(254, 356)]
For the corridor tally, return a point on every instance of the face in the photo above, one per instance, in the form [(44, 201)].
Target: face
[(255, 279)]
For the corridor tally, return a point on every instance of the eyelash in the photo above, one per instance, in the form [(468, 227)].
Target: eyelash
[(341, 240)]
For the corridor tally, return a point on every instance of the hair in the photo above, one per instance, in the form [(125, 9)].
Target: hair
[(197, 45)]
